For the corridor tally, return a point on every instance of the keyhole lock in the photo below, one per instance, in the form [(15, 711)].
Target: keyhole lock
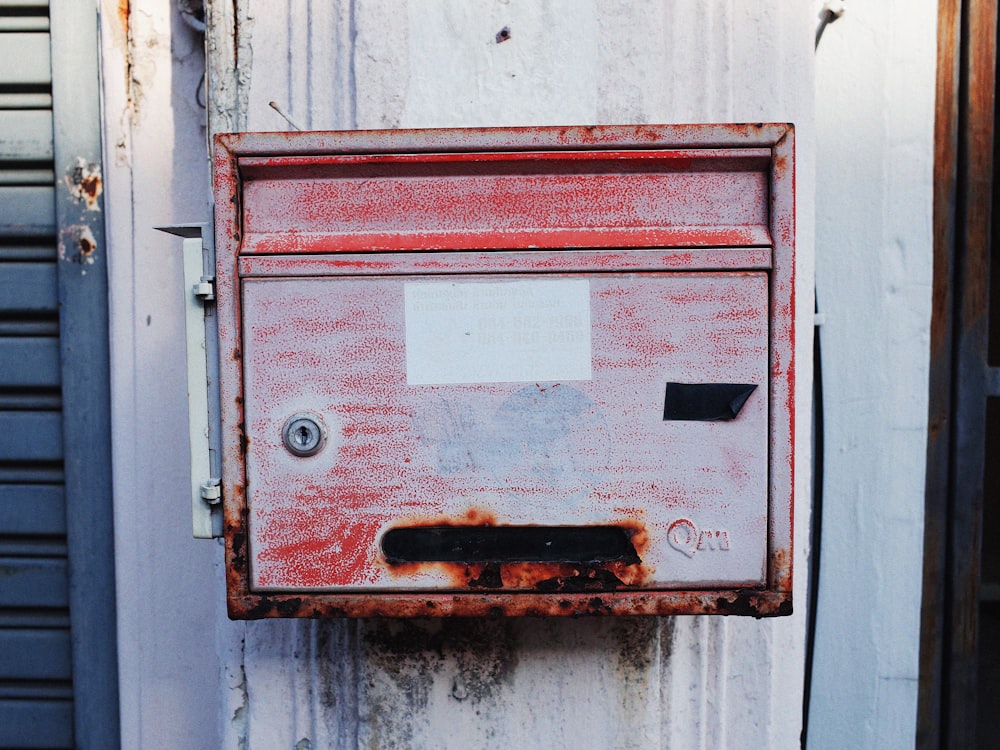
[(304, 434)]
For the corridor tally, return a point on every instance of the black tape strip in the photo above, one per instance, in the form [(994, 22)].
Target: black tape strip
[(705, 402), (509, 544)]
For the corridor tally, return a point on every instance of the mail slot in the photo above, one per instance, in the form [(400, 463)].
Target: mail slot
[(507, 372)]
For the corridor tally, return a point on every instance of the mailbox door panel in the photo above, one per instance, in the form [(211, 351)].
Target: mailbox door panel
[(507, 402)]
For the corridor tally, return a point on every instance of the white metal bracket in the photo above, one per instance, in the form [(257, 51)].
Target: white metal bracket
[(205, 289), (202, 386), (211, 491)]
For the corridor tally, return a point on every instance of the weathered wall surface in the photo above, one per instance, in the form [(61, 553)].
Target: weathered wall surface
[(156, 174), (875, 117), (192, 679)]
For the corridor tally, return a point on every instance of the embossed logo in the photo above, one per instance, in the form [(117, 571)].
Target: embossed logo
[(688, 539)]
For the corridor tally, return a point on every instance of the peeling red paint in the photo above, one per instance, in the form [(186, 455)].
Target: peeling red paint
[(644, 259), (626, 209)]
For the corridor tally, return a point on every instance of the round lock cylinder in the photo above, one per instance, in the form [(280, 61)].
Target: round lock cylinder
[(304, 434)]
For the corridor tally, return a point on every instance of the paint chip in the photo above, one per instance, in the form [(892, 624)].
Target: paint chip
[(85, 184), (77, 244)]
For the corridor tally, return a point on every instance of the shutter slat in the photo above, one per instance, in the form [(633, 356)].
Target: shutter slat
[(33, 724), (26, 176), (30, 288), (22, 252), (34, 654), (30, 401), (32, 361), (25, 59), (30, 436), (27, 211), (37, 618), (33, 582), (24, 23), (35, 690), (26, 135), (31, 547), (19, 474), (25, 100), (29, 327), (32, 509)]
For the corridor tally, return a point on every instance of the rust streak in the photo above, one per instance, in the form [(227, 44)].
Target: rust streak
[(123, 14), (520, 576), (737, 602)]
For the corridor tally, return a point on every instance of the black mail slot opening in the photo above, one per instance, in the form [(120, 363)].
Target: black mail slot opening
[(509, 544)]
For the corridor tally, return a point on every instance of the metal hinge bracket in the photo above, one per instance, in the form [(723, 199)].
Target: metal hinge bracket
[(211, 491), (205, 289)]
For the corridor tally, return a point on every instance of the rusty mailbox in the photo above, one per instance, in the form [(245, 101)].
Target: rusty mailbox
[(540, 371)]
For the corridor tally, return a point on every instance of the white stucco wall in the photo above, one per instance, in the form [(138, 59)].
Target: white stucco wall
[(875, 72), (169, 608), (192, 679)]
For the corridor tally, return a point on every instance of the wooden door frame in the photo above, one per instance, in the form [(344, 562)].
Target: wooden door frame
[(963, 180)]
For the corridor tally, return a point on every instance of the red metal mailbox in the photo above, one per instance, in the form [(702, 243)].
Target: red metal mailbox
[(540, 371)]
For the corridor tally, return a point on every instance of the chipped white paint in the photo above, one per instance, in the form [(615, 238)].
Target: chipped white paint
[(83, 180), (77, 245), (230, 60), (192, 679)]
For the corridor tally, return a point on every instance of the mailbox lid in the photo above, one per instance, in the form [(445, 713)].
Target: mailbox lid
[(580, 441), (300, 204)]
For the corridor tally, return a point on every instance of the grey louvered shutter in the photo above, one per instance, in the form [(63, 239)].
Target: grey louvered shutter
[(45, 680)]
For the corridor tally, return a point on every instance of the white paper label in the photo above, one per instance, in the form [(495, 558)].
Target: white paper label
[(497, 332)]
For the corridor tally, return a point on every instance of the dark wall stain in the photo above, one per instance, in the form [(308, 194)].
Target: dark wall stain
[(404, 658), (638, 644)]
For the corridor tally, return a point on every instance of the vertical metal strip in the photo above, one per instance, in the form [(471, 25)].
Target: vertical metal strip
[(202, 513), (83, 299)]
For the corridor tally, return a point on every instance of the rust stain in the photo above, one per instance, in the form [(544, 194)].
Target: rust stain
[(547, 577), (123, 14), (137, 66), (83, 179), (78, 245), (735, 602), (124, 22), (781, 565)]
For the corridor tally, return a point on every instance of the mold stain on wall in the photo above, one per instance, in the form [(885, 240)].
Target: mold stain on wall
[(416, 666), (471, 672)]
